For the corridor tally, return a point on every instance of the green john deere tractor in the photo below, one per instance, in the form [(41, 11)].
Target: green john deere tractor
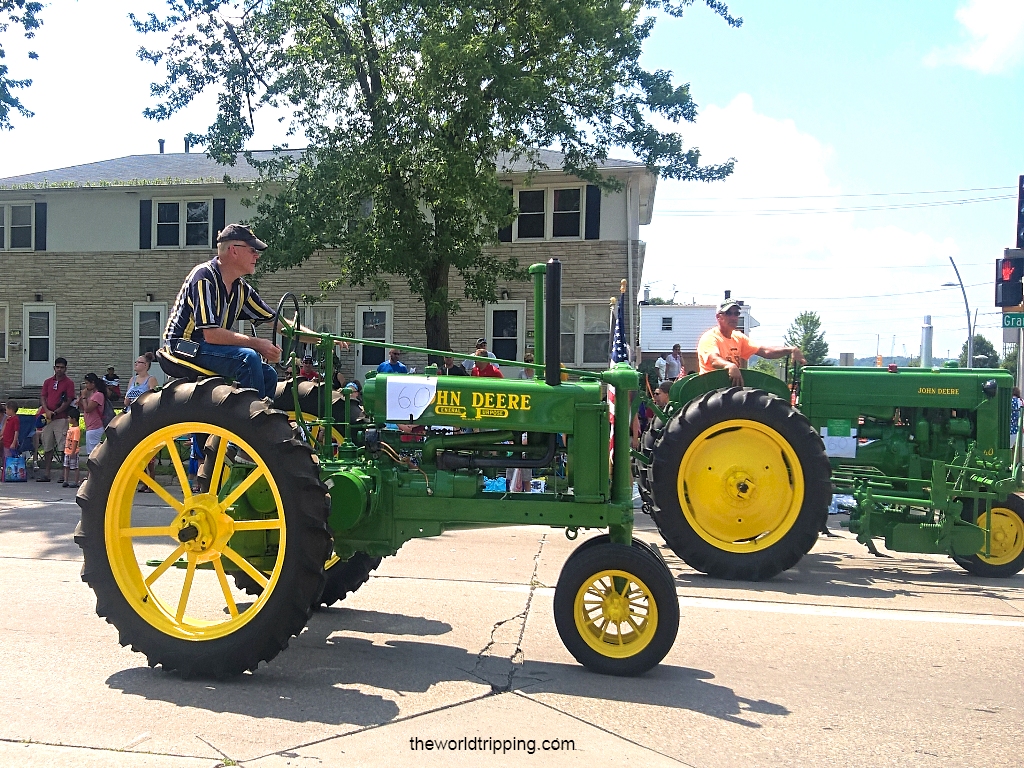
[(739, 481), (299, 500)]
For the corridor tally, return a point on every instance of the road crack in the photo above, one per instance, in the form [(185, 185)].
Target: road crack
[(515, 658)]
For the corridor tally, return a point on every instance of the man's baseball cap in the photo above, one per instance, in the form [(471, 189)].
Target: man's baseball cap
[(728, 304), (307, 359), (481, 343), (242, 234)]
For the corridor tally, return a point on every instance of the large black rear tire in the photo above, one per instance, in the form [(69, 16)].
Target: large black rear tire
[(202, 628), (346, 576), (740, 484)]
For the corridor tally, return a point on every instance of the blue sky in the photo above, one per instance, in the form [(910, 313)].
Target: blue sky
[(813, 99)]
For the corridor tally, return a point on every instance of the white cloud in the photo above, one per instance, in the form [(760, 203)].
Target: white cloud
[(996, 35), (864, 280)]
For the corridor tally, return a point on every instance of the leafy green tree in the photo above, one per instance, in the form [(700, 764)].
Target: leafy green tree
[(24, 14), (1010, 363), (766, 366), (805, 332), (410, 111), (982, 346)]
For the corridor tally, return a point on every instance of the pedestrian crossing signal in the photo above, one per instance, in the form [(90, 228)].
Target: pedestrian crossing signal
[(1009, 289)]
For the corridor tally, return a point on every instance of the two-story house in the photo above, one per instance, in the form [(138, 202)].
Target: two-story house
[(93, 257)]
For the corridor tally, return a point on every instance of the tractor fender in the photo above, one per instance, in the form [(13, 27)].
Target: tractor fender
[(693, 386)]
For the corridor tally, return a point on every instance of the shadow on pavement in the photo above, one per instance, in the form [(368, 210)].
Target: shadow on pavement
[(830, 575), (318, 678), (56, 523)]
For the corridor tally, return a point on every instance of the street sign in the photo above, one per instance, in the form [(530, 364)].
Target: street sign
[(1013, 320)]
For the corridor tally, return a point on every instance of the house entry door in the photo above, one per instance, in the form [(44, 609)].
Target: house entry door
[(38, 343), (373, 321)]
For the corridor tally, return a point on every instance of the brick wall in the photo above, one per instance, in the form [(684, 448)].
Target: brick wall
[(94, 294)]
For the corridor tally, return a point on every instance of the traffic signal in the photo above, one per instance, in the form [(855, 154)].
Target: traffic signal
[(1009, 289)]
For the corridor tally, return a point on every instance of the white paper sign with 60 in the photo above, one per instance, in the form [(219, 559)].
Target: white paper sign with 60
[(409, 396)]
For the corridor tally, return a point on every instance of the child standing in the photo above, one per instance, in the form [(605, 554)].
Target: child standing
[(71, 445), (9, 436)]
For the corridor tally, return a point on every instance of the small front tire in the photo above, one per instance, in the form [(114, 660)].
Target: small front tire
[(616, 609), (1007, 551)]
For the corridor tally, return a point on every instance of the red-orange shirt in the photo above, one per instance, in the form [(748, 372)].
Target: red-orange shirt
[(488, 371), (734, 348)]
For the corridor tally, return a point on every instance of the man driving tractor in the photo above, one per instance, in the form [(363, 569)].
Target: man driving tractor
[(724, 347)]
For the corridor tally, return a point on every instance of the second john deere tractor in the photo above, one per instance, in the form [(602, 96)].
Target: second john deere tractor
[(739, 481)]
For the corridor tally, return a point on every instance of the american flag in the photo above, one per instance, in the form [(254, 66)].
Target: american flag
[(620, 350), (619, 354)]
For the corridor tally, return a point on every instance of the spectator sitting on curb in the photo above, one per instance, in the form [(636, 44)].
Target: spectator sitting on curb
[(307, 371), (450, 368)]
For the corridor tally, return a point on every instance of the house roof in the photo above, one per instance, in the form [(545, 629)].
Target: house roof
[(197, 168)]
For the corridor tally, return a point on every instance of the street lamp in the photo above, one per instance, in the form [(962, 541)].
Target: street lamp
[(967, 307)]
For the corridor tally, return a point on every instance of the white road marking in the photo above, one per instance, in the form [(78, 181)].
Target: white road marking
[(828, 611)]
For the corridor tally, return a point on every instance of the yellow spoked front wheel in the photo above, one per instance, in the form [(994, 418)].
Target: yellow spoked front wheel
[(616, 608), (159, 563), (615, 614)]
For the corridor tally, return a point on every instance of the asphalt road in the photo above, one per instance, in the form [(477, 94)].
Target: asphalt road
[(845, 660)]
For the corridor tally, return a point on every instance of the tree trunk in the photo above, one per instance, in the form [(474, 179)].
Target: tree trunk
[(435, 300)]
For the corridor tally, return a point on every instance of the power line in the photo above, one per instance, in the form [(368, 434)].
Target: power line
[(847, 209), (860, 194), (807, 297), (823, 268)]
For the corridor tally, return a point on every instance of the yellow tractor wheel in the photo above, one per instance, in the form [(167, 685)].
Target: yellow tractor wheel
[(159, 564), (616, 608), (1005, 555), (740, 484)]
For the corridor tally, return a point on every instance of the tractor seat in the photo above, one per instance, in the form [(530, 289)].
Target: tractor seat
[(181, 368)]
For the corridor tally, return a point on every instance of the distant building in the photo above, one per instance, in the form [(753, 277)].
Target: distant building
[(663, 325)]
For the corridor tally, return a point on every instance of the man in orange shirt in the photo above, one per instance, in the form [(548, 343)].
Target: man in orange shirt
[(724, 347)]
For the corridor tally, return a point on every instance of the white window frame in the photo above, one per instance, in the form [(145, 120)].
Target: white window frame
[(182, 216), (324, 305), (5, 328), (577, 361), (5, 230), (520, 306), (549, 212), (147, 306)]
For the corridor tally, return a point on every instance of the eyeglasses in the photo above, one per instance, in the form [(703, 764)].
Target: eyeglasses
[(732, 313), (244, 245)]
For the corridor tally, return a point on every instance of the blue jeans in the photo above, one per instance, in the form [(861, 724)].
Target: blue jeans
[(243, 365)]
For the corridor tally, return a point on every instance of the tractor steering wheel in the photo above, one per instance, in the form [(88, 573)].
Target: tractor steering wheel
[(289, 346)]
